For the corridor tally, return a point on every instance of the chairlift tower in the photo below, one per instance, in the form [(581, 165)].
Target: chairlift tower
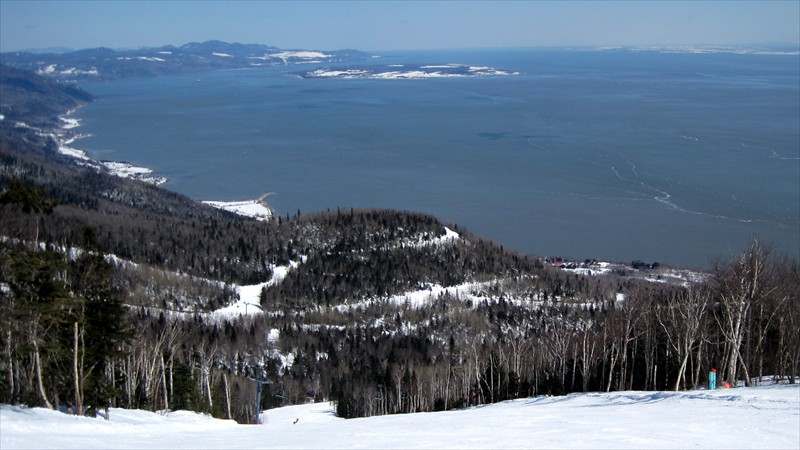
[(260, 381)]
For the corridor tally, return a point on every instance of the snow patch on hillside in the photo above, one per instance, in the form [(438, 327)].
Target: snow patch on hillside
[(73, 152), (69, 123), (249, 303), (449, 236), (248, 208), (424, 297), (300, 55), (127, 170), (52, 69)]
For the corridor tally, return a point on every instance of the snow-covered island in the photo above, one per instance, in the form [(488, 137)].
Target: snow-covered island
[(404, 71)]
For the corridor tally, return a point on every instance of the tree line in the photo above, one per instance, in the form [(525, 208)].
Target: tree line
[(524, 330)]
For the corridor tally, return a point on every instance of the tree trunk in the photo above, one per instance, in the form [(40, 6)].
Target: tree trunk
[(76, 373), (171, 372), (612, 361), (208, 387), (164, 383), (735, 345), (447, 384), (39, 382), (227, 395), (681, 371), (11, 396), (655, 376), (696, 376)]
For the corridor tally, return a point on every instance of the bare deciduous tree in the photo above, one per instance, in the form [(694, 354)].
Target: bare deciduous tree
[(741, 284), (681, 318)]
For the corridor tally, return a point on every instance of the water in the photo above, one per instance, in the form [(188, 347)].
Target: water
[(675, 158)]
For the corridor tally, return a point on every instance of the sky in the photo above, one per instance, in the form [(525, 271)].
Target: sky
[(396, 25)]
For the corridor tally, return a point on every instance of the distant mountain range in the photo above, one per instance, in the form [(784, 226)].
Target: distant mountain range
[(107, 64)]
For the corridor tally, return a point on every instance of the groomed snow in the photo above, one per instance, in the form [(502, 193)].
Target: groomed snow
[(249, 302), (758, 417)]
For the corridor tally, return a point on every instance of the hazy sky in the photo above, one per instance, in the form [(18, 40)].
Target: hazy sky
[(386, 25)]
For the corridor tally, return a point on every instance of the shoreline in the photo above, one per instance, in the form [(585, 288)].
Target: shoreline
[(255, 209), (64, 136)]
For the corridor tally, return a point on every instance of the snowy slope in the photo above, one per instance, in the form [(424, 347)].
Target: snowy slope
[(760, 417)]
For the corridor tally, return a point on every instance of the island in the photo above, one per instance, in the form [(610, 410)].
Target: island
[(403, 71)]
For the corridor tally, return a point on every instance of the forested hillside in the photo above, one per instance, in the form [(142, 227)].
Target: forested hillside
[(34, 100), (108, 288), (107, 64)]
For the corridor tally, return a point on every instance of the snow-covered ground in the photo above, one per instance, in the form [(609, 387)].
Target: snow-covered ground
[(425, 296), (127, 170), (249, 208), (758, 417), (249, 296), (303, 54)]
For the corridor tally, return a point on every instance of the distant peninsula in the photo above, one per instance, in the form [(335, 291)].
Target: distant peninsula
[(403, 71), (108, 64)]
